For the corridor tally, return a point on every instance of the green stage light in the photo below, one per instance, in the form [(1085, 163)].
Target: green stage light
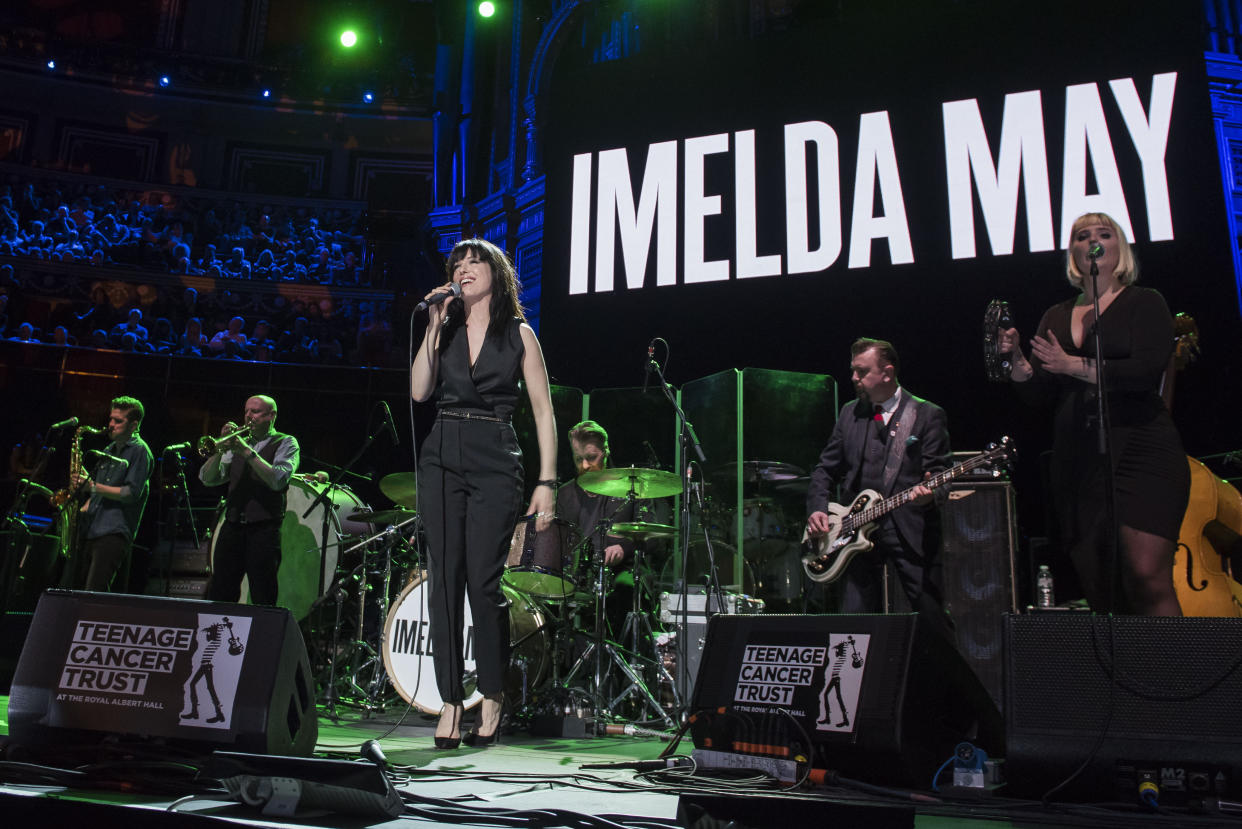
[(487, 8), (349, 38)]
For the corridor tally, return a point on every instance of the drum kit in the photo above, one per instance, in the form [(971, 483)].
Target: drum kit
[(564, 657)]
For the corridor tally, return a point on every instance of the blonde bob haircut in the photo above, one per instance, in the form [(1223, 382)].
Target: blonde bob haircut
[(1127, 265)]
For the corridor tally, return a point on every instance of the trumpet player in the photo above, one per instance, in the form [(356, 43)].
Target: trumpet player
[(256, 462), (118, 490)]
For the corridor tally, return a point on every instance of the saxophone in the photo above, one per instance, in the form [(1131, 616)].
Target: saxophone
[(73, 492)]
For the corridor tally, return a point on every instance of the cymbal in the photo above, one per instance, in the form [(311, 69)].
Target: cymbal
[(645, 483), (641, 530), (796, 486), (400, 488), (760, 471), (384, 516)]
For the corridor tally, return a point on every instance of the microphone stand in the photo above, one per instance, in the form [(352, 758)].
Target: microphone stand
[(686, 438), (181, 497), (1104, 437)]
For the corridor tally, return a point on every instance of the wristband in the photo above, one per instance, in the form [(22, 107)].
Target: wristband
[(546, 482)]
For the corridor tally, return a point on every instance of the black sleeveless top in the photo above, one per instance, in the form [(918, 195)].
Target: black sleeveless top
[(491, 387)]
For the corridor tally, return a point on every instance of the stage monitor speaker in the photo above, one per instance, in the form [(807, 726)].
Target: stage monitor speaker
[(880, 698), (978, 556), (205, 675), (1161, 692)]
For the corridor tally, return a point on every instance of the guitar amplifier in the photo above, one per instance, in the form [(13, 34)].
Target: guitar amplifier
[(983, 473)]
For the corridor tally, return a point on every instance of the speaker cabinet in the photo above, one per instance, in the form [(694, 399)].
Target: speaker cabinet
[(978, 555), (206, 675), (880, 698), (1159, 695)]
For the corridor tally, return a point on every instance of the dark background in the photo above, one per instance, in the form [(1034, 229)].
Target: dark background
[(932, 310)]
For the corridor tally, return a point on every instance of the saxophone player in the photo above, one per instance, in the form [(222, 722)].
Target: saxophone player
[(118, 490)]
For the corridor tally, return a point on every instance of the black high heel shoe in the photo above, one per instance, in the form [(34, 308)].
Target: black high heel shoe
[(449, 743), (475, 739)]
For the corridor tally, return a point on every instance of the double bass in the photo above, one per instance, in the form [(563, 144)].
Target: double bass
[(1212, 526)]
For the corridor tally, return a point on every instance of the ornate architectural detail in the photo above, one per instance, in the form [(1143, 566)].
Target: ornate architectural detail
[(78, 144), (544, 56), (245, 162)]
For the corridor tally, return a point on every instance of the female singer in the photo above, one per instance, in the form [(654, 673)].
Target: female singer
[(1151, 478), (476, 349)]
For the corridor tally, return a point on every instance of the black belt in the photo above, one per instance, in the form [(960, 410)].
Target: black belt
[(460, 415)]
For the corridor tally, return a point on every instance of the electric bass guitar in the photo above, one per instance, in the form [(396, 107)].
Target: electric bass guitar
[(849, 527)]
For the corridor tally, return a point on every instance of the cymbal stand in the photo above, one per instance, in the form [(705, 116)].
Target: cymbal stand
[(371, 691), (337, 593)]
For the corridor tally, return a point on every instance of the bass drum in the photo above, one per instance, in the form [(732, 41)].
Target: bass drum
[(301, 542), (407, 648)]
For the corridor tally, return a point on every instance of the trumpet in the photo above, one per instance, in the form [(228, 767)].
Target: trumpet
[(208, 446)]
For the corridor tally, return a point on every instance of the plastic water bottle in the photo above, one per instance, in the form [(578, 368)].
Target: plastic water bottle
[(1044, 597)]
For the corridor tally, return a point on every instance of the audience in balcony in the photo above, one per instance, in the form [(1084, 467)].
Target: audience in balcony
[(102, 226)]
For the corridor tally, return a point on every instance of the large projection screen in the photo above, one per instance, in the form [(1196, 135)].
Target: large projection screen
[(885, 172)]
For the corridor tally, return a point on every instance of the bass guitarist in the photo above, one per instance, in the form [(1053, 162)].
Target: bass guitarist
[(886, 440)]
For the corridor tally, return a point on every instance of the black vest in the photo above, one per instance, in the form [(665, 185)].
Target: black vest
[(249, 499), (875, 451)]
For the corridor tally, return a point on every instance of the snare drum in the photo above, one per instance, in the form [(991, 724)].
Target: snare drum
[(542, 562), (301, 540), (407, 648)]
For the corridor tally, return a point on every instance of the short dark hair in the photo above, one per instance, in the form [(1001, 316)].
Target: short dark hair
[(588, 431), (132, 407), (886, 351)]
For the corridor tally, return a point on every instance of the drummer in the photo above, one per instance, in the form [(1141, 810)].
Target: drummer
[(594, 513)]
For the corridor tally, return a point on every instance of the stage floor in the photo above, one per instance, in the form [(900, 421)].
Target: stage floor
[(536, 782)]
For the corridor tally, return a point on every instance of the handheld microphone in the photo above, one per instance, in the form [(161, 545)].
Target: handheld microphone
[(436, 299), (372, 751), (390, 424), (65, 424), (1095, 251), (647, 366)]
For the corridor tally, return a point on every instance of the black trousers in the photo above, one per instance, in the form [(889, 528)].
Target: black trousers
[(107, 555), (469, 495), (920, 578), (246, 550)]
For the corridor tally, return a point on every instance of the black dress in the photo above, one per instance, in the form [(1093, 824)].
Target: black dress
[(469, 494), (1151, 473)]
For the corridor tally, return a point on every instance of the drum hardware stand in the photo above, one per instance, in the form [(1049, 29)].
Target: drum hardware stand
[(330, 695), (338, 594), (373, 689), (637, 626), (601, 647)]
